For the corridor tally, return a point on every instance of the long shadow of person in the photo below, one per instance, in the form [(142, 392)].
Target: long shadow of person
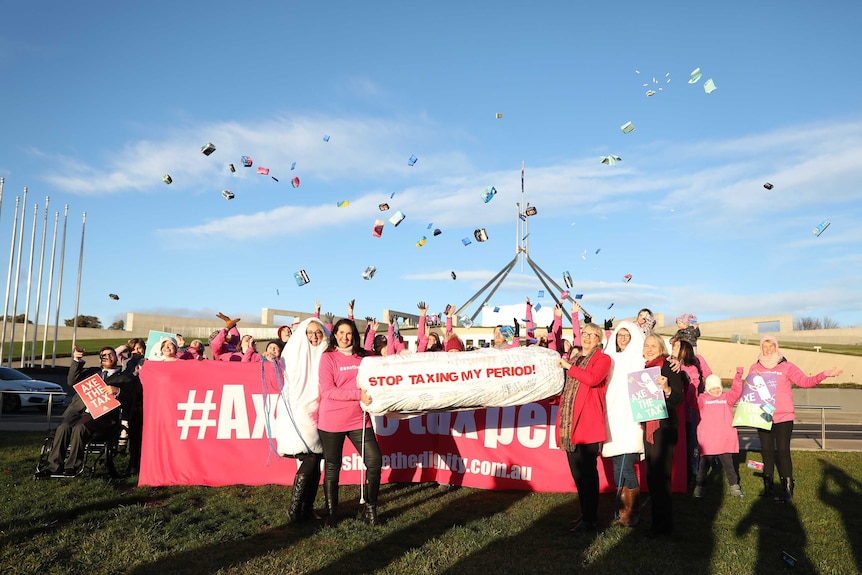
[(844, 493), (780, 537)]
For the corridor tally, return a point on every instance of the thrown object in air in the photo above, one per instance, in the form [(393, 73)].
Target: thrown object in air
[(488, 194), (695, 76), (369, 272), (768, 186), (466, 241), (437, 231), (412, 160), (227, 194), (113, 296), (709, 86), (627, 128), (295, 181), (325, 138), (263, 171), (480, 234), (820, 228), (301, 278), (231, 168), (627, 278), (531, 211), (383, 207), (465, 321), (377, 230), (343, 203), (421, 241), (208, 148), (454, 276), (167, 179), (498, 115), (611, 160), (246, 161), (567, 278), (397, 218)]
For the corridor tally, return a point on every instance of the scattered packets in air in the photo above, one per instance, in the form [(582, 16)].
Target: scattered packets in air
[(369, 272), (301, 278), (293, 166), (231, 168), (567, 278), (343, 203), (412, 160), (437, 231), (480, 234), (820, 228), (167, 179), (695, 76), (113, 296), (454, 276), (208, 148), (709, 86), (246, 161), (377, 230), (227, 194), (263, 171), (488, 194), (421, 242), (466, 241), (397, 218), (627, 278), (325, 138), (383, 207), (611, 160), (295, 181), (531, 211), (498, 115), (627, 128), (768, 186)]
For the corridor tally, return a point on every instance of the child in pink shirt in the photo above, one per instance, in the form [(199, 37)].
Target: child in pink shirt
[(715, 432)]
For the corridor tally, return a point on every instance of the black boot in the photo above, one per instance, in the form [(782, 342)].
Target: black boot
[(372, 487), (330, 489), (307, 510), (788, 484), (300, 488), (767, 486)]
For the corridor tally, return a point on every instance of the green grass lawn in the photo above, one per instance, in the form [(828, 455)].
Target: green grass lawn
[(93, 526)]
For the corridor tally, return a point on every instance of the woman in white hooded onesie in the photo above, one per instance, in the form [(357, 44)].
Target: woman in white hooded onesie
[(625, 437), (295, 422)]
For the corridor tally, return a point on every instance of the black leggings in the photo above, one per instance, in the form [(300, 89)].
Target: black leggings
[(582, 464), (333, 448), (309, 464), (775, 448)]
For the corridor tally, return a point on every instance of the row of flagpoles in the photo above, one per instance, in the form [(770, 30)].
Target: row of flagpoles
[(12, 290)]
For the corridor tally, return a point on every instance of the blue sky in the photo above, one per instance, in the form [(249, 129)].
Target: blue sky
[(100, 100)]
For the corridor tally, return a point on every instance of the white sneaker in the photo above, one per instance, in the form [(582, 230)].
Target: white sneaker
[(736, 491)]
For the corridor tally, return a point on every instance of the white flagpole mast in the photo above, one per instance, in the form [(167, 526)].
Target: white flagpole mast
[(39, 287), (60, 286), (17, 275), (29, 285), (78, 288), (50, 290), (9, 279)]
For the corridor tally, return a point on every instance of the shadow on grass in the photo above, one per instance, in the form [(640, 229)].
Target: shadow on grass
[(842, 492), (212, 557), (383, 551), (52, 521)]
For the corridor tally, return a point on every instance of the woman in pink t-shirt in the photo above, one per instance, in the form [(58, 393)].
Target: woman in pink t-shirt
[(340, 416)]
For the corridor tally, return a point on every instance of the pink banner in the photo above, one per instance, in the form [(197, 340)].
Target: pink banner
[(206, 423)]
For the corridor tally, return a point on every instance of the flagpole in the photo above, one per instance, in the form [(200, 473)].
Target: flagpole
[(39, 287), (17, 275), (29, 285), (9, 279), (50, 289), (78, 287), (59, 286)]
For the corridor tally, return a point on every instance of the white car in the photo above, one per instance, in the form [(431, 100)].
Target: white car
[(14, 380)]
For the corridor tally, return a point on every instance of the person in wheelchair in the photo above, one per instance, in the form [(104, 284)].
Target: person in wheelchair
[(78, 426)]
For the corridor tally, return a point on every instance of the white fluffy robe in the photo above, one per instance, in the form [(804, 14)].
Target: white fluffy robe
[(624, 435), (295, 422)]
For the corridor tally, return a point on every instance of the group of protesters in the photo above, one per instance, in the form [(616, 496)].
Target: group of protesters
[(319, 361)]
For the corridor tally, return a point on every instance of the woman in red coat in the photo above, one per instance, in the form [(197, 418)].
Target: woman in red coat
[(581, 419)]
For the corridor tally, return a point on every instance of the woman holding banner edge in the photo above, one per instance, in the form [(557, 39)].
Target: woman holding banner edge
[(581, 419), (340, 416)]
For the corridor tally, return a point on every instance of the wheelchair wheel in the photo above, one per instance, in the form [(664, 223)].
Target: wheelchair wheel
[(118, 458)]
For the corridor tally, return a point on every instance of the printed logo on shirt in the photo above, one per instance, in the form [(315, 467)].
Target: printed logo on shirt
[(348, 367)]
